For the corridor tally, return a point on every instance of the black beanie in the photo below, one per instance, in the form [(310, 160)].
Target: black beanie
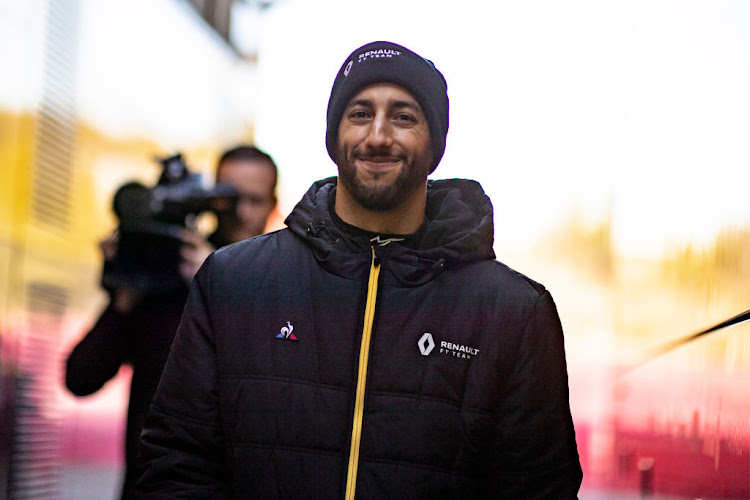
[(386, 62)]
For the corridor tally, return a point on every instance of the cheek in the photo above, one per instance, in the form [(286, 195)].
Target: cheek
[(420, 147), (252, 213), (349, 139), (340, 155), (245, 212)]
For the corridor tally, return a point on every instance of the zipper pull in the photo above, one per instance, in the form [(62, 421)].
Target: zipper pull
[(375, 258)]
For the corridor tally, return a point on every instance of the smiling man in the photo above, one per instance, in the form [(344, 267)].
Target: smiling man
[(374, 348), (384, 156)]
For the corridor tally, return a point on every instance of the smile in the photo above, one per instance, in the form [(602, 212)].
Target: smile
[(379, 163)]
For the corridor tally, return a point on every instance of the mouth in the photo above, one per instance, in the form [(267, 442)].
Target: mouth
[(379, 163)]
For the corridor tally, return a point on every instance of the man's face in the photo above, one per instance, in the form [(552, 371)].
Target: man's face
[(255, 182), (384, 149)]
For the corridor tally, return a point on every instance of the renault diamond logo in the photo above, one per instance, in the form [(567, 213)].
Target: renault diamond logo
[(426, 344)]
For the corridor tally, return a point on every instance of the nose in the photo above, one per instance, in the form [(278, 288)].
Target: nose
[(379, 134)]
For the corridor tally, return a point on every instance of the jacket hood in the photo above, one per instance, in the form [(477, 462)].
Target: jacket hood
[(459, 229)]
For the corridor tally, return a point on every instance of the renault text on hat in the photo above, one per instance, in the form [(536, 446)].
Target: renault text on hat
[(374, 54)]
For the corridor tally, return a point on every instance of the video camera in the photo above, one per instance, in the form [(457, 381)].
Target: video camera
[(151, 221)]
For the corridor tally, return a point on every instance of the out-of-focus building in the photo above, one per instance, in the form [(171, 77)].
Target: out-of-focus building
[(91, 93)]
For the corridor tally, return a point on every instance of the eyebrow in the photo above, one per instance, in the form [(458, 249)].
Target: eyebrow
[(400, 104)]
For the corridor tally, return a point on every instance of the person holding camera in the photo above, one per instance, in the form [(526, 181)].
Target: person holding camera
[(138, 325), (253, 173)]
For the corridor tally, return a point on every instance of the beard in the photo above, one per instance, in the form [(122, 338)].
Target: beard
[(382, 198)]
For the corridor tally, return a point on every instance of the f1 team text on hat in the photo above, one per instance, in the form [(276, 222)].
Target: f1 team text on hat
[(372, 54)]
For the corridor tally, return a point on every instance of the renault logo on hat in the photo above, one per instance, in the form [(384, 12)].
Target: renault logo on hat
[(348, 68), (426, 344)]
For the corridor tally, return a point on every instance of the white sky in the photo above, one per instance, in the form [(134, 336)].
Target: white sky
[(635, 108)]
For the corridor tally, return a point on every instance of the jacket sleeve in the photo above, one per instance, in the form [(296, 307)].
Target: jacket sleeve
[(98, 356), (181, 446), (538, 445)]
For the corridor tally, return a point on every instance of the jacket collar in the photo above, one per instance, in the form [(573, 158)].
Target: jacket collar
[(459, 230)]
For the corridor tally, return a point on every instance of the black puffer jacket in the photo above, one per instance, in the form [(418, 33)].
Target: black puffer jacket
[(313, 364)]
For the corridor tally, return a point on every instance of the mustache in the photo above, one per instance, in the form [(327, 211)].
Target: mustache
[(370, 153)]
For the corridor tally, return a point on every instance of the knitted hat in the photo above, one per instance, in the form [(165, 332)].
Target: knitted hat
[(386, 62)]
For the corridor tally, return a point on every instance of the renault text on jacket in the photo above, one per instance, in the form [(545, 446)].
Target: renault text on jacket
[(426, 344)]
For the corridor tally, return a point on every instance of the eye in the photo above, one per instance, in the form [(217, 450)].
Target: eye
[(405, 118), (358, 115)]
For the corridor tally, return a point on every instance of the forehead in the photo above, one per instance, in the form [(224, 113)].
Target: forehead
[(248, 176), (388, 93)]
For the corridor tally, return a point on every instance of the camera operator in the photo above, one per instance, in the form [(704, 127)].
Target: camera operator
[(254, 174), (139, 323)]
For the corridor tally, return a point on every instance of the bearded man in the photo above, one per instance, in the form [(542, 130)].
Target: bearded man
[(374, 347)]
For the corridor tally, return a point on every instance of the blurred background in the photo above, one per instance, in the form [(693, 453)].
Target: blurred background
[(611, 135)]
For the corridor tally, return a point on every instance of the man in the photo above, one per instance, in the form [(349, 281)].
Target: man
[(374, 347), (254, 174), (138, 326)]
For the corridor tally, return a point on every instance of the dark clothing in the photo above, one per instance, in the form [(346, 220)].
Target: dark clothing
[(217, 240), (310, 361), (141, 338)]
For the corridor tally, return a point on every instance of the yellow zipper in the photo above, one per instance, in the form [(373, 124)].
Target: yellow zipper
[(359, 402)]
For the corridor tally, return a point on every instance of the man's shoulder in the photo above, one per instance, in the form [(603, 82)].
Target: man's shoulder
[(261, 248), (256, 243), (491, 275)]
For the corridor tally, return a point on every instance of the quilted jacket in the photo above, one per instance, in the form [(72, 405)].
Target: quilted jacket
[(313, 363)]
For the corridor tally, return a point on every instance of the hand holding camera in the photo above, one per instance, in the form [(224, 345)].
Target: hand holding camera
[(155, 248)]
